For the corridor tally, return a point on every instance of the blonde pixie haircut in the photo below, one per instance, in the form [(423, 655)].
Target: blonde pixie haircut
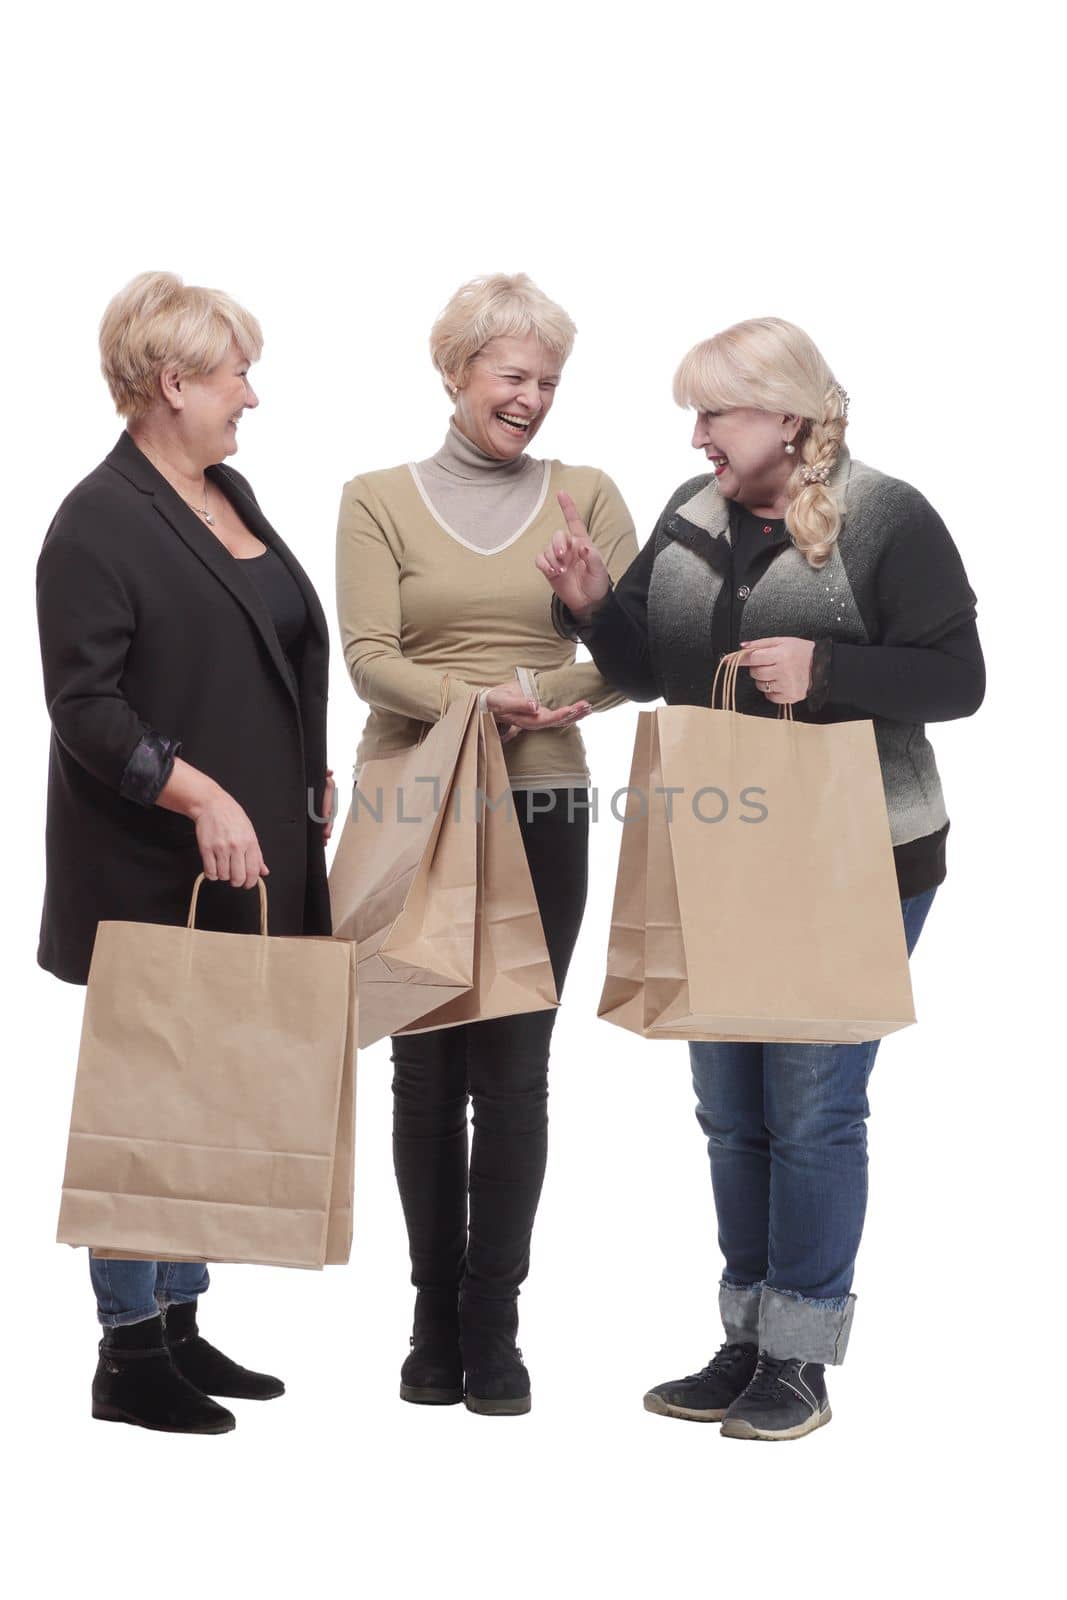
[(158, 321), (495, 307), (772, 365)]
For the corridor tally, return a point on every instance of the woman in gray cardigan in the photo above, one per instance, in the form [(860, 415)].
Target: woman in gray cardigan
[(848, 596)]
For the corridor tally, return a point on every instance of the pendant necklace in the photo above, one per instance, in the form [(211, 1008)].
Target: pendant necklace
[(202, 511)]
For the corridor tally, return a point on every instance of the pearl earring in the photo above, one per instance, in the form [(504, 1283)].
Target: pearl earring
[(790, 449)]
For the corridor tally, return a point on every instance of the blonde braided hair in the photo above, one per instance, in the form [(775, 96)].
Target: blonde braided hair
[(772, 365)]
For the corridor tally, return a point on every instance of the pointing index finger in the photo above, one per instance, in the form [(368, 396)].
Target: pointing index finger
[(571, 514)]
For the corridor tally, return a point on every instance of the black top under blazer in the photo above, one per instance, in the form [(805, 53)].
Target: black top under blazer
[(154, 641)]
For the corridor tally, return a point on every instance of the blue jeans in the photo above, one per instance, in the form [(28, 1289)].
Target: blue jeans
[(787, 1140), (133, 1291)]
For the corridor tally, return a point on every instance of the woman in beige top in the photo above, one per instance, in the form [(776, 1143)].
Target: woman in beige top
[(436, 579)]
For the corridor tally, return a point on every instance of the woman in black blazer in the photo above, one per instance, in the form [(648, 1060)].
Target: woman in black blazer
[(185, 664)]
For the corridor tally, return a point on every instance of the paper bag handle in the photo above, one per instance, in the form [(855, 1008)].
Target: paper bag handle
[(262, 887), (727, 670)]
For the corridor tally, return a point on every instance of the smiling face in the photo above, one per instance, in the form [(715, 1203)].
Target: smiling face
[(746, 449), (507, 394), (212, 403)]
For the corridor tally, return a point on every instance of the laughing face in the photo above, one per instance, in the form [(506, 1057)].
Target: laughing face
[(507, 394), (212, 406), (746, 451)]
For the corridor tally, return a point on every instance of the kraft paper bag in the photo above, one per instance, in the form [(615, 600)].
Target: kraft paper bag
[(432, 883), (623, 998), (512, 970), (756, 897), (404, 880), (214, 1104)]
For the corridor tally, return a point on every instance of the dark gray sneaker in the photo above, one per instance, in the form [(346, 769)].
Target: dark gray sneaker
[(705, 1395), (785, 1400)]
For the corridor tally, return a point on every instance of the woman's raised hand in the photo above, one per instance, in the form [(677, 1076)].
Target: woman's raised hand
[(573, 565)]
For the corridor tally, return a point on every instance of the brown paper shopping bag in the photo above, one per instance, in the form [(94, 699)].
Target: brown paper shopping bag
[(431, 880), (512, 971), (404, 880), (213, 1115), (623, 998), (756, 897)]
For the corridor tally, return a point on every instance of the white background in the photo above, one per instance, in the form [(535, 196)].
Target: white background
[(886, 176)]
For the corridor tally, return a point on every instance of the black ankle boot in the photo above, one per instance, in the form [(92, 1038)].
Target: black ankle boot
[(432, 1375), (498, 1384), (208, 1368), (136, 1382)]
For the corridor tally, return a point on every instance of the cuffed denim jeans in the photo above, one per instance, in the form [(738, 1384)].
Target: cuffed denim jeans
[(787, 1140), (133, 1291)]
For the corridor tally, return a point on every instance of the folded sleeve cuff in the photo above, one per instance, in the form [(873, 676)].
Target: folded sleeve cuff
[(822, 662), (562, 620), (565, 623), (149, 767)]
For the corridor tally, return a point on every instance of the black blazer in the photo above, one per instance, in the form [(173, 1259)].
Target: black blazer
[(153, 640)]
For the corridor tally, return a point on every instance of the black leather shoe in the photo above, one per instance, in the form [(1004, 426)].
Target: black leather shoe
[(432, 1375), (136, 1382), (497, 1382), (208, 1368), (785, 1400), (705, 1395)]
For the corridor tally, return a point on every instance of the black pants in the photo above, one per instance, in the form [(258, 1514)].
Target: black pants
[(501, 1066)]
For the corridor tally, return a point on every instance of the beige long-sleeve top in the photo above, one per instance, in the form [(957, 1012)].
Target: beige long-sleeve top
[(418, 602)]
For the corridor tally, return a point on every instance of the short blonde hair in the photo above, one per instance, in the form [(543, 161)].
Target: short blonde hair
[(496, 307), (158, 321), (772, 365)]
